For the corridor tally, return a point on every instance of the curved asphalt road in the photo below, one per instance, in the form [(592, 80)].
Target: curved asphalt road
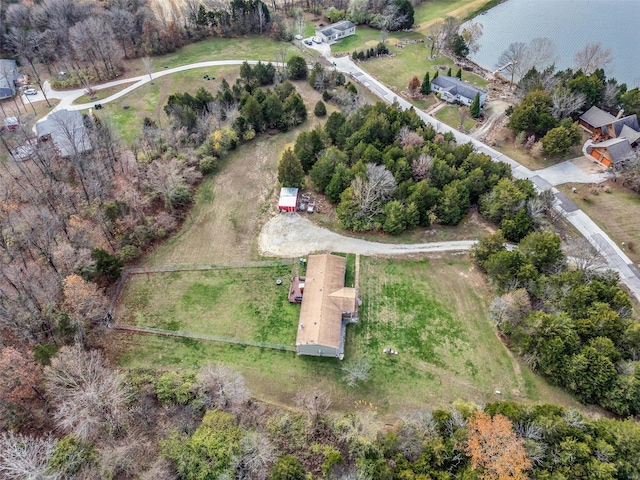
[(615, 258)]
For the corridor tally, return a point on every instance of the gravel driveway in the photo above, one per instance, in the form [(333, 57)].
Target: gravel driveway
[(290, 235)]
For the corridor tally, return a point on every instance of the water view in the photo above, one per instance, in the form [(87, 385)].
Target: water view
[(570, 24)]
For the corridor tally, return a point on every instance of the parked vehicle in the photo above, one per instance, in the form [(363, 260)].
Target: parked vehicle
[(308, 42), (31, 91), (317, 40), (298, 37)]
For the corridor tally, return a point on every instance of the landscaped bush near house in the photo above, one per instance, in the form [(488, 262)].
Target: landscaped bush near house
[(320, 109)]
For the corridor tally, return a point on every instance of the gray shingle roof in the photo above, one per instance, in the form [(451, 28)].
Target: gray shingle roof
[(618, 148), (631, 121), (8, 76), (340, 26), (64, 126), (457, 87), (597, 117), (629, 133)]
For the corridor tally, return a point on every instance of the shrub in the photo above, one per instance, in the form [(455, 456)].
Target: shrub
[(207, 164), (70, 455), (175, 388), (320, 110), (287, 468)]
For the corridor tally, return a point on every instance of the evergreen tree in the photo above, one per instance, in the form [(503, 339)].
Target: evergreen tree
[(290, 172), (449, 72), (459, 73), (435, 75), (320, 110), (425, 89), (474, 108)]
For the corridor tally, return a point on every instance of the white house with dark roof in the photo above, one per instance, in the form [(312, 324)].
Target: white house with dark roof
[(336, 31), (452, 90), (8, 76)]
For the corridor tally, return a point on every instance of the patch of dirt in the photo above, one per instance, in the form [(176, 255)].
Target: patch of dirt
[(589, 165), (493, 115)]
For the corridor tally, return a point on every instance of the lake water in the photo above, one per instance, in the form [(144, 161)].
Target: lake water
[(570, 24)]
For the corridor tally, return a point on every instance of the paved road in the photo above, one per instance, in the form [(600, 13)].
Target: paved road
[(289, 234), (543, 180)]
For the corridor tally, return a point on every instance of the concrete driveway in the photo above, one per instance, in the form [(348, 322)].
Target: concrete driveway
[(576, 170)]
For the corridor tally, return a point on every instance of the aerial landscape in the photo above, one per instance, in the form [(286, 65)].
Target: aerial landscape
[(338, 239)]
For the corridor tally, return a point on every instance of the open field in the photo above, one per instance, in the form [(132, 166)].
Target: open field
[(451, 116), (616, 212), (239, 303), (431, 310), (367, 37), (428, 13), (245, 48)]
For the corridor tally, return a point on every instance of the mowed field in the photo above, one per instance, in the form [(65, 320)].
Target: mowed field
[(431, 310), (237, 303)]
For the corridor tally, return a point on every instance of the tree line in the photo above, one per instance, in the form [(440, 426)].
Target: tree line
[(203, 423)]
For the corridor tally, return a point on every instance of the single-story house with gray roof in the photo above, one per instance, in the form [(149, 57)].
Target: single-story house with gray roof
[(67, 131), (8, 76), (336, 31), (452, 90)]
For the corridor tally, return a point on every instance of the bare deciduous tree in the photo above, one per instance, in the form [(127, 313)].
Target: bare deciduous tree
[(592, 57), (147, 63), (472, 34), (89, 398), (565, 102), (25, 458), (372, 191), (582, 254), (510, 308), (222, 387), (315, 402), (409, 138), (357, 371), (541, 53), (512, 60), (258, 453), (421, 167)]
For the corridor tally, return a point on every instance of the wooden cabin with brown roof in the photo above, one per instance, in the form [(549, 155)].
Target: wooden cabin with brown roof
[(327, 307), (613, 137)]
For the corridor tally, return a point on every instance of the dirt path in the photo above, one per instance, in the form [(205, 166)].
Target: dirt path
[(290, 235), (494, 110)]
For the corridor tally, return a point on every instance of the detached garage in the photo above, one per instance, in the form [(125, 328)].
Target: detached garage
[(288, 199)]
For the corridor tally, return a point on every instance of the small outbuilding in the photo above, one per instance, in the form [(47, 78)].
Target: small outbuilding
[(11, 123), (610, 152), (288, 199), (336, 31), (327, 307)]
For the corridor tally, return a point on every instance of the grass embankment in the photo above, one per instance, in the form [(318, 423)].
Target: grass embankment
[(239, 303), (616, 212), (431, 311), (101, 94), (428, 13)]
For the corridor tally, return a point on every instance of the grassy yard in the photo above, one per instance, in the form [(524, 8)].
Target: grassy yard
[(366, 37), (240, 303), (451, 116), (429, 12), (128, 112), (431, 311), (101, 94), (616, 212)]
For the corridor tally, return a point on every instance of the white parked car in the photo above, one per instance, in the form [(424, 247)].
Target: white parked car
[(31, 91), (298, 37), (317, 40)]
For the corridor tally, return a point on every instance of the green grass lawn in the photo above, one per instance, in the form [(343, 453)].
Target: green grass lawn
[(432, 311), (241, 303), (451, 116), (366, 37), (101, 94), (433, 10)]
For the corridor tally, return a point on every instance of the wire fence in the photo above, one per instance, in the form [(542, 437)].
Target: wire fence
[(184, 268), (201, 336)]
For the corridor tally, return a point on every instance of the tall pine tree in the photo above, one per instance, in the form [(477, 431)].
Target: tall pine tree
[(474, 108), (459, 73), (290, 172), (425, 88)]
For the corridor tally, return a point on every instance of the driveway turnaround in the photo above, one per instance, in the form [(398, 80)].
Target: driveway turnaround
[(290, 235)]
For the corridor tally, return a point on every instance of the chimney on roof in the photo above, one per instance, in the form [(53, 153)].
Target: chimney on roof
[(620, 113)]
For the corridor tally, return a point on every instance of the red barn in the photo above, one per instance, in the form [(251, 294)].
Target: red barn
[(288, 199)]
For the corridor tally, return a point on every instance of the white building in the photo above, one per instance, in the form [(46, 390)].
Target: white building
[(336, 31)]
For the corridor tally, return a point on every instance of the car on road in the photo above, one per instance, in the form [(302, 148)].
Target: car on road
[(31, 91), (308, 42), (317, 40)]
